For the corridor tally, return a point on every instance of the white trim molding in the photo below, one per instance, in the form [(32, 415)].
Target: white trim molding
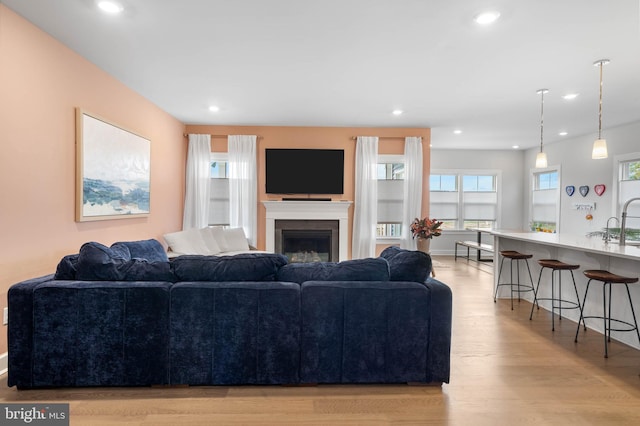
[(309, 210)]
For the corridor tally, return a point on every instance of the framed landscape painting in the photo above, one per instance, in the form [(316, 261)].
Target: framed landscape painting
[(112, 170)]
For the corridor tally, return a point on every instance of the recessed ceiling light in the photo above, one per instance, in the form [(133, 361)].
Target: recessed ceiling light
[(486, 18), (397, 112), (570, 96), (515, 146), (110, 7), (563, 133), (214, 108), (457, 131)]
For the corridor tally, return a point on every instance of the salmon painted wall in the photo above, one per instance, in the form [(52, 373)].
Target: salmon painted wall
[(319, 137), (41, 84)]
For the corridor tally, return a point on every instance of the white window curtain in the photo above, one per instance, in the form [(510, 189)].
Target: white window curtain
[(366, 198), (412, 190), (196, 202), (243, 204)]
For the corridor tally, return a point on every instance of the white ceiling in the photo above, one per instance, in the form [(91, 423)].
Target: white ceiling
[(351, 62)]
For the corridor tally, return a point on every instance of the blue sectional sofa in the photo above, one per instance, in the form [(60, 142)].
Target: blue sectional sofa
[(127, 316)]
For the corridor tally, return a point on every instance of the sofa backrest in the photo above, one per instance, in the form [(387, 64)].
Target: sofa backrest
[(239, 267), (369, 269)]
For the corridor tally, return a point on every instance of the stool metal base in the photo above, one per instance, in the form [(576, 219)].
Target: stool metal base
[(516, 287), (606, 317), (557, 302)]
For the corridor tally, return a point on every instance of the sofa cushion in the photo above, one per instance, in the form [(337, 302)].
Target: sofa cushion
[(365, 332), (407, 265), (99, 334), (369, 269), (150, 250), (97, 262), (231, 333), (66, 269), (236, 239), (240, 267), (217, 232), (210, 241), (189, 241)]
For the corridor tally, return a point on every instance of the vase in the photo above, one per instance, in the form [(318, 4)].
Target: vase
[(423, 244)]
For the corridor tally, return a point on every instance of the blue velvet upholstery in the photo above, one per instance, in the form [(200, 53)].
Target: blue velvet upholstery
[(97, 262), (235, 333), (94, 334), (407, 265), (240, 267), (20, 331), (150, 250), (228, 322), (67, 267), (370, 269), (371, 332)]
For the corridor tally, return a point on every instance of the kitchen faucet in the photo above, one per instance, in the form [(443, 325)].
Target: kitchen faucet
[(607, 235), (623, 226)]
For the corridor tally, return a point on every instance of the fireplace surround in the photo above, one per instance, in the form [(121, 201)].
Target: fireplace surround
[(308, 212)]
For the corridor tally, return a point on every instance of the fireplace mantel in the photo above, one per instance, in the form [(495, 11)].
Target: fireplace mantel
[(309, 210)]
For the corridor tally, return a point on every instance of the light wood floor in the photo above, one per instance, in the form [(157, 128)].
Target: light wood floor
[(506, 370)]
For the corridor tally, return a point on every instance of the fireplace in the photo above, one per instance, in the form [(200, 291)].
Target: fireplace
[(310, 211), (308, 240)]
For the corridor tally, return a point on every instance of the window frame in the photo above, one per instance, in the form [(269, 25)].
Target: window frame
[(619, 160), (532, 188), (390, 159), (222, 157), (459, 174)]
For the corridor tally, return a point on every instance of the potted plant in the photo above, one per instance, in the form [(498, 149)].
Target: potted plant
[(423, 230)]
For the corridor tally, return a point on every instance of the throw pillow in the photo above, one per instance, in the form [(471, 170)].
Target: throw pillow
[(210, 240), (66, 269), (97, 262), (407, 265), (236, 239), (218, 234), (186, 242), (150, 250)]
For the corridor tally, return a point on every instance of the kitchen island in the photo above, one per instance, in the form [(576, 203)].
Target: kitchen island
[(589, 253)]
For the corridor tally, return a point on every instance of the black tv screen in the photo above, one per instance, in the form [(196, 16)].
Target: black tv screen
[(304, 171)]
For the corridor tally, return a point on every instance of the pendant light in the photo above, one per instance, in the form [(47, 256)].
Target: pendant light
[(541, 158), (600, 145)]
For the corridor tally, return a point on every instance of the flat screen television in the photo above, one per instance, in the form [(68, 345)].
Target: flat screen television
[(304, 171)]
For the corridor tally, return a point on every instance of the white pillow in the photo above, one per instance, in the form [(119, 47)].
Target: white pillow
[(186, 242), (218, 234), (236, 239), (209, 240)]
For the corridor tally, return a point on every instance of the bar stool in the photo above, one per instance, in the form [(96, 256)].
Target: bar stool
[(521, 287), (607, 278), (556, 302)]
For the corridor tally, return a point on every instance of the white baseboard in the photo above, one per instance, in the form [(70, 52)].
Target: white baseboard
[(4, 363)]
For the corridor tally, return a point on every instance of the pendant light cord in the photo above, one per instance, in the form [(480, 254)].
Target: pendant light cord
[(600, 104), (541, 117)]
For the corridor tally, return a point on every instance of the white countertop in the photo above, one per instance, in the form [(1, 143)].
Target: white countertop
[(575, 242)]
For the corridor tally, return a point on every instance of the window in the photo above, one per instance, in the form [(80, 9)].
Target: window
[(630, 170), (545, 201), (465, 198), (390, 192), (629, 187), (219, 190)]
